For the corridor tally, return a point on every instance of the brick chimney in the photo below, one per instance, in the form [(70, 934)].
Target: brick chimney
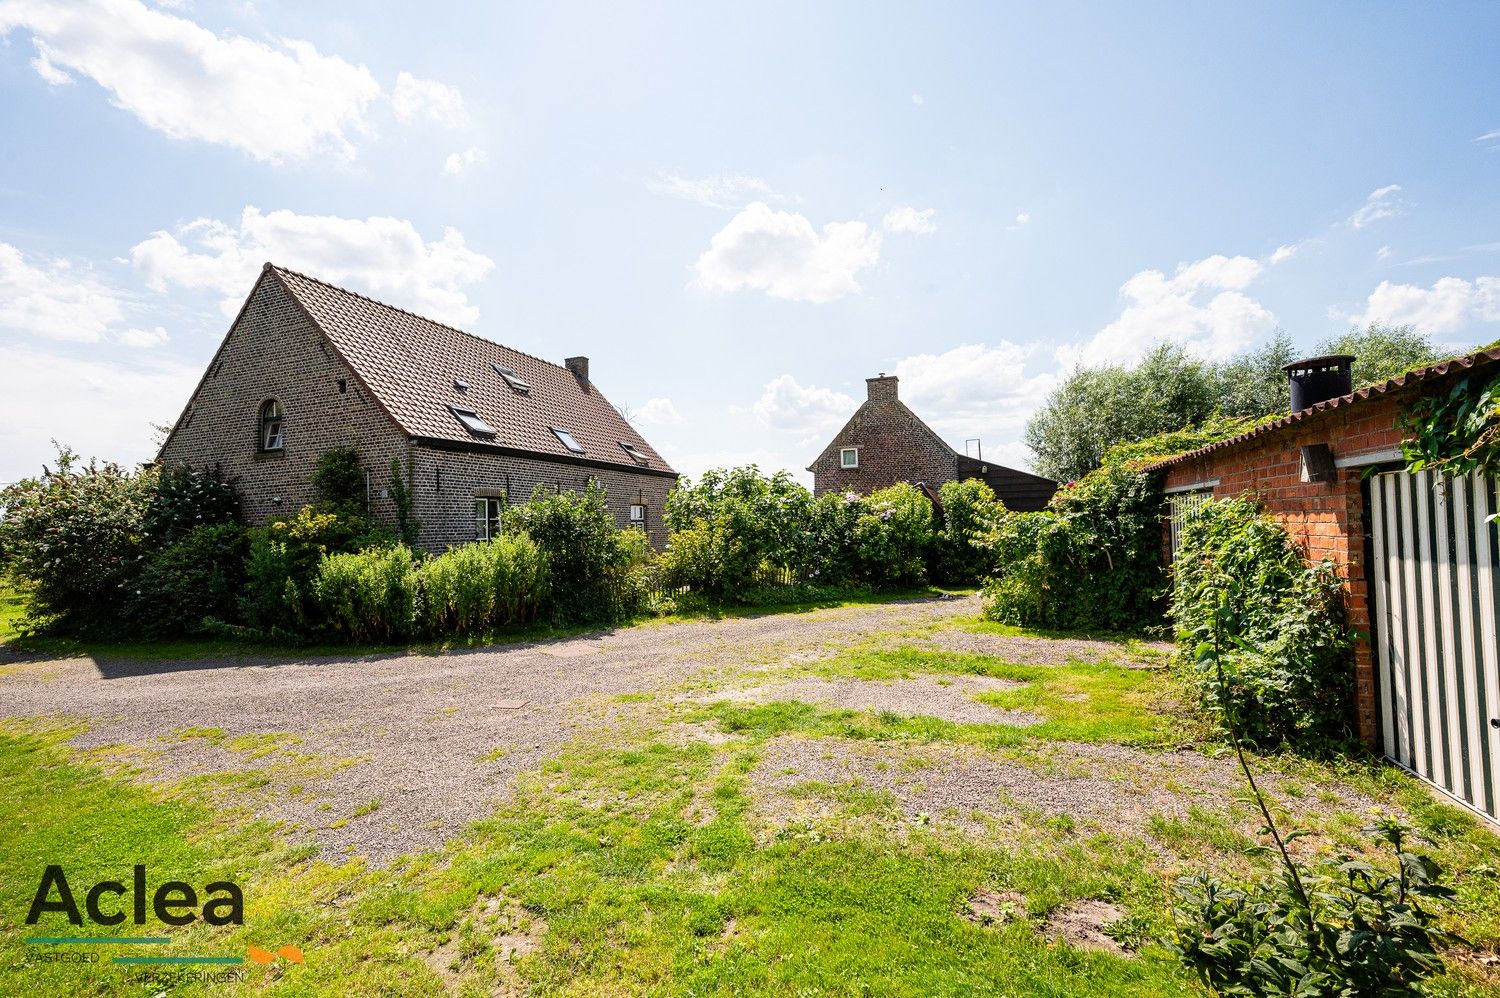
[(580, 368), (881, 388)]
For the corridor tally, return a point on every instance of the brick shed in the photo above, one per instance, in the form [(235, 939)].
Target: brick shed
[(1422, 565), (884, 442), (307, 367)]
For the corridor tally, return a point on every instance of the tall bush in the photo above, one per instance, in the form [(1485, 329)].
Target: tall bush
[(1288, 675), (1091, 561), (736, 526), (892, 535), (74, 535), (587, 559), (183, 499), (970, 511), (196, 579), (369, 595)]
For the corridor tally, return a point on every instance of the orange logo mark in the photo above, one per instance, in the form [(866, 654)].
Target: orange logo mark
[(289, 953)]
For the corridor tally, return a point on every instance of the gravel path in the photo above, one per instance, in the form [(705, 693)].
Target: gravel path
[(950, 698), (435, 738)]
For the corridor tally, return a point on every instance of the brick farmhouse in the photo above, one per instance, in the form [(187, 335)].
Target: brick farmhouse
[(884, 442), (1421, 564), (307, 367)]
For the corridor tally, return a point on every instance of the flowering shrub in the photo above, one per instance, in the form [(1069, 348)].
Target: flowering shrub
[(892, 535)]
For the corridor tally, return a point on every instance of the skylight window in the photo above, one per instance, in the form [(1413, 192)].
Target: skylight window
[(472, 421), (568, 441), (513, 379), (635, 455), (460, 384)]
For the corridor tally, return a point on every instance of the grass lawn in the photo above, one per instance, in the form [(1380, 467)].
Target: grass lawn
[(646, 857)]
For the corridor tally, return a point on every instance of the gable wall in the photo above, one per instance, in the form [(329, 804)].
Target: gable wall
[(894, 446), (273, 351), (1328, 519)]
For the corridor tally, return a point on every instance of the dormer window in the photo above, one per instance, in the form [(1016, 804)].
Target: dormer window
[(635, 455), (568, 441), (516, 382), (272, 420), (849, 457), (472, 421)]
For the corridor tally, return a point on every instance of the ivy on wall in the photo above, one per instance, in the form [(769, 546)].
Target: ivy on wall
[(1456, 432)]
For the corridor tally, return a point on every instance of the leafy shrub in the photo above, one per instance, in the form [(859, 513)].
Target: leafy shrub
[(892, 535), (473, 588), (739, 527), (1092, 560), (339, 483), (193, 579), (284, 558), (970, 510), (1345, 928), (75, 538), (1288, 667), (587, 559), (183, 499), (369, 595)]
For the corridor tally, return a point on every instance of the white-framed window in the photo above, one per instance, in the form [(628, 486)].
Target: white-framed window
[(849, 457), (272, 423), (568, 440), (472, 421), (637, 514), (488, 517), (1180, 506)]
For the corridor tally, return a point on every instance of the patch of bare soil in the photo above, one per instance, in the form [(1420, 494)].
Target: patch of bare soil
[(493, 930), (1084, 923), (948, 698), (1052, 651), (990, 907)]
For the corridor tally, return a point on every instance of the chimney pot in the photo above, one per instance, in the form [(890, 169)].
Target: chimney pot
[(1318, 379), (881, 388), (580, 368)]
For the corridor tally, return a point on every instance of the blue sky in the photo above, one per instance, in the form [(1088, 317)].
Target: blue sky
[(739, 213)]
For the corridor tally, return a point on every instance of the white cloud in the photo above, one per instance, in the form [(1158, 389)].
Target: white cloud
[(382, 256), (439, 103), (788, 406), (142, 338), (1488, 136), (106, 410), (1384, 253), (1451, 304), (274, 101), (730, 192), (973, 384), (781, 254), (49, 298), (1382, 203), (459, 162), (905, 218), (658, 412), (1022, 217), (1201, 307), (1284, 253)]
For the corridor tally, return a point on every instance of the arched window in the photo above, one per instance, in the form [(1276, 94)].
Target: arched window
[(271, 420)]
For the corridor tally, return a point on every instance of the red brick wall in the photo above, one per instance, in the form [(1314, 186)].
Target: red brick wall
[(1328, 519), (894, 446)]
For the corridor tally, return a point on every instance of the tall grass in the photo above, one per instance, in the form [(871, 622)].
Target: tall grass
[(476, 587)]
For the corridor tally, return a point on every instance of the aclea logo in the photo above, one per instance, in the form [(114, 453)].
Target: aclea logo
[(174, 902)]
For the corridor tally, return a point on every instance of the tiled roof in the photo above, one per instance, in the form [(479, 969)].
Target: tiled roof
[(1410, 379), (410, 365)]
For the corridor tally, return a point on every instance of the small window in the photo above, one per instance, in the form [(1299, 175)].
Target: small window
[(568, 441), (637, 514), (516, 382), (472, 422), (635, 455), (272, 421), (489, 514), (849, 457), (460, 385)]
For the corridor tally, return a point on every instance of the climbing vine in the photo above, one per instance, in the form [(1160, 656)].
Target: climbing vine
[(1456, 432)]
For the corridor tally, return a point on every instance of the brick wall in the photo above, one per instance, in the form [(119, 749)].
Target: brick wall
[(1328, 519), (274, 351), (894, 446)]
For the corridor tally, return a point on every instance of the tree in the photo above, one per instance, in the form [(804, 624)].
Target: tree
[(1382, 352), (1253, 384)]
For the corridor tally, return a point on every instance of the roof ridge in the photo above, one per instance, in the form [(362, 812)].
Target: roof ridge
[(406, 311)]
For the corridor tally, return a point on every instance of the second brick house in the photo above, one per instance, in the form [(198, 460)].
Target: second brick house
[(884, 442), (307, 367)]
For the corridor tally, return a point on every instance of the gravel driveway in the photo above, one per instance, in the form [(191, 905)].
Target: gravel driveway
[(435, 738)]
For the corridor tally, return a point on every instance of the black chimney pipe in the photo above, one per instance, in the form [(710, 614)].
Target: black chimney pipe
[(1318, 379)]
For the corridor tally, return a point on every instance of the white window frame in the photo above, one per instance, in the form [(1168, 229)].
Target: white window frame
[(272, 426), (637, 512), (489, 517), (844, 453)]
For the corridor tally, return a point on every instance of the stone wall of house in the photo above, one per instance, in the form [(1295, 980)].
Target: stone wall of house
[(1327, 518), (894, 446), (445, 484), (274, 351)]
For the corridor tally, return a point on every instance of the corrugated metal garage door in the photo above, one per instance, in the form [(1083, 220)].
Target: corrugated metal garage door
[(1436, 579)]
